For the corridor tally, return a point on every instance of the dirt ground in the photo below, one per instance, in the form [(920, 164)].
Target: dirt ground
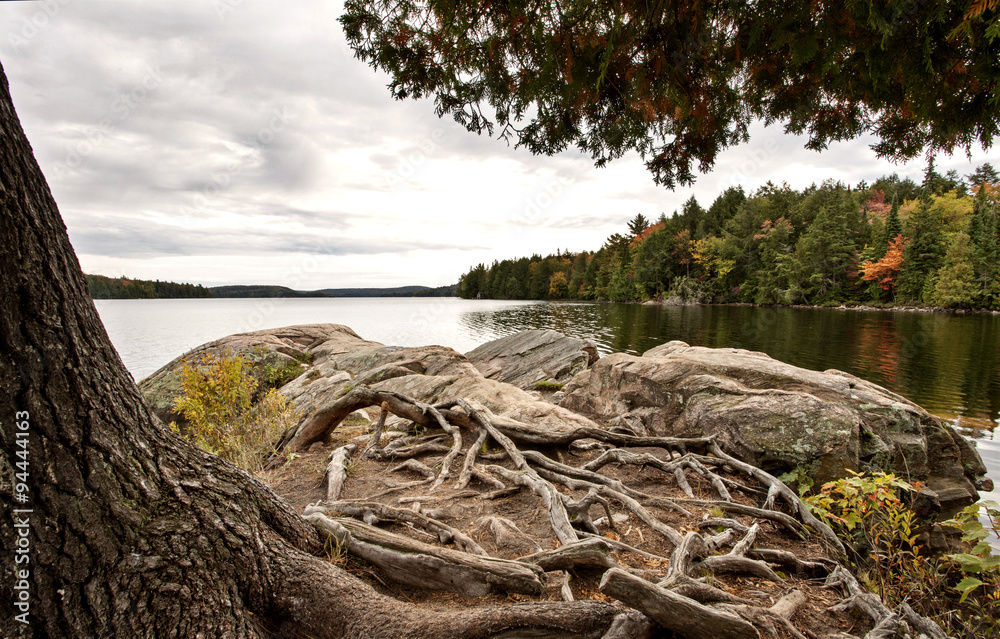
[(301, 481)]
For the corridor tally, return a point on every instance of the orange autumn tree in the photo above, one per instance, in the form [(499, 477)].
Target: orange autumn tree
[(885, 270)]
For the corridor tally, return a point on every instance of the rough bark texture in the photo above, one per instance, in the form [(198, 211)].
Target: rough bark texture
[(134, 532)]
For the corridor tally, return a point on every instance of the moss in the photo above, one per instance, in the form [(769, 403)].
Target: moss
[(277, 375), (548, 385)]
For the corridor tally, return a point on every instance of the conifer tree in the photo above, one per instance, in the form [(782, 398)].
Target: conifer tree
[(658, 78), (984, 235), (893, 227), (924, 252), (956, 280)]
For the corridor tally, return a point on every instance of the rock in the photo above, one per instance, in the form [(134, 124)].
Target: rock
[(281, 349), (529, 357), (331, 356), (502, 399), (309, 391), (360, 415), (768, 413), (780, 417)]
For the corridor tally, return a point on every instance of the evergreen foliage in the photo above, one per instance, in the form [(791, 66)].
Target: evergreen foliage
[(827, 244), (658, 78), (104, 288)]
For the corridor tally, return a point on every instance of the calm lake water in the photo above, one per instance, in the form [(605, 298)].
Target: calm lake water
[(949, 364)]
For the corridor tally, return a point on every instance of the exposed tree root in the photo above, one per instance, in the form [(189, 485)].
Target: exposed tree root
[(587, 553), (445, 533), (888, 624), (737, 561), (678, 601), (336, 471), (673, 611), (421, 565), (507, 534), (376, 437), (773, 483)]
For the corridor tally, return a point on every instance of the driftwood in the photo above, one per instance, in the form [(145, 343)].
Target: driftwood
[(421, 565)]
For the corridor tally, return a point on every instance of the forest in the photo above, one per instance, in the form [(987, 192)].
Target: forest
[(118, 288), (893, 242)]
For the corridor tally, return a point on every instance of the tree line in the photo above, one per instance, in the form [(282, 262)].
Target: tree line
[(118, 288), (936, 243)]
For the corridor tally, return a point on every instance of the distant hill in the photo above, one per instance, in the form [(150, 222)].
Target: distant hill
[(282, 291), (102, 287), (399, 291), (125, 288), (262, 290)]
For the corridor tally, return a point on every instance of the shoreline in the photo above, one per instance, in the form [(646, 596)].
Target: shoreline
[(841, 307)]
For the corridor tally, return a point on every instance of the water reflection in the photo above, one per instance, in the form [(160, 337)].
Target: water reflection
[(949, 364)]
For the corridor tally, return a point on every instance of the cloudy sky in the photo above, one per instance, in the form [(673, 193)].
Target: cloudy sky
[(239, 142)]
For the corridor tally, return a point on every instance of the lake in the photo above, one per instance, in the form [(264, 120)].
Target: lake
[(949, 364)]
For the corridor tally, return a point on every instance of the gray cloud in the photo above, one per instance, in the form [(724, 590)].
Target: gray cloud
[(143, 238), (143, 114)]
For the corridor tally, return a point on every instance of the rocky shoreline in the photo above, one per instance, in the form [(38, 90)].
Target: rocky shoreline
[(675, 301), (659, 444)]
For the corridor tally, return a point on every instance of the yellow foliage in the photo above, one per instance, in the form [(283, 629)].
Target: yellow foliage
[(708, 253), (227, 415)]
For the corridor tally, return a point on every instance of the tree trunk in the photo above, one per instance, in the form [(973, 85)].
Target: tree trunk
[(131, 531)]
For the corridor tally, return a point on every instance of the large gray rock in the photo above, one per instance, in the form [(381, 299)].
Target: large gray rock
[(502, 399), (780, 417), (338, 360), (330, 357), (529, 357), (275, 349)]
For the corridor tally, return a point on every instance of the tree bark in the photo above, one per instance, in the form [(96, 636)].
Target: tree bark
[(132, 531)]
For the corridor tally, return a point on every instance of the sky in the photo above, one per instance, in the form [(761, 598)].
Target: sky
[(239, 142)]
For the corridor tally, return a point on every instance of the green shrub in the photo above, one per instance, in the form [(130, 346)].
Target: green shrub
[(979, 588), (227, 413), (961, 591), (277, 375)]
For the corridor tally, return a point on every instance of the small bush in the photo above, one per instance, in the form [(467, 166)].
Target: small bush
[(868, 514), (961, 591), (277, 375), (227, 413)]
